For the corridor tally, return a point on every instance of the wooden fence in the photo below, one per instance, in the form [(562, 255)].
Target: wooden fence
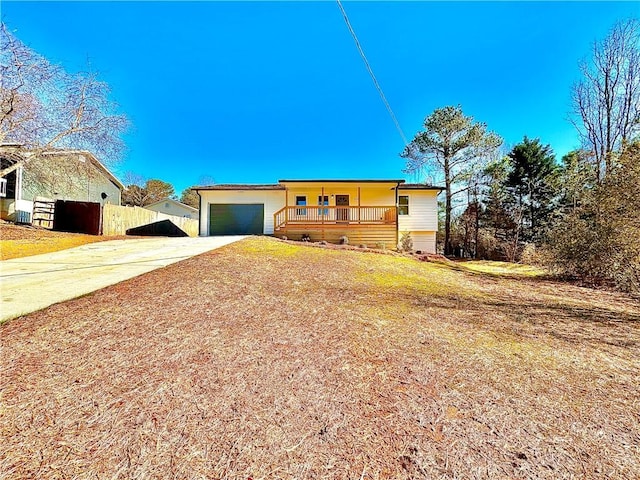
[(43, 210), (116, 220)]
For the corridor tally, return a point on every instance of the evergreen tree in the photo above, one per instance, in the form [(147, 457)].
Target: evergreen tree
[(532, 184)]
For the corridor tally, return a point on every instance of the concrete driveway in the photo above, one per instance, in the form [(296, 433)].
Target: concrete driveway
[(32, 283)]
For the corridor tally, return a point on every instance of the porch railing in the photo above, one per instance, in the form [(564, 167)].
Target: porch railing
[(332, 215)]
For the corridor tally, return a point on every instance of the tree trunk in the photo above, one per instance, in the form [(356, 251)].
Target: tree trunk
[(477, 229), (448, 249)]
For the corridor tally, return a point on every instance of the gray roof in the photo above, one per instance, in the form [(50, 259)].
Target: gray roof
[(420, 186), (338, 180), (239, 186)]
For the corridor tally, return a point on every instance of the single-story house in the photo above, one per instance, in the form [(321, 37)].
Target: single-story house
[(53, 175), (371, 212), (175, 208)]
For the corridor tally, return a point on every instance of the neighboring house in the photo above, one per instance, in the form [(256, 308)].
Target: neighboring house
[(175, 208), (54, 175), (369, 212)]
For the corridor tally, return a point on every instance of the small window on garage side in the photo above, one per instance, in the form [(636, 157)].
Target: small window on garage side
[(403, 205), (301, 200)]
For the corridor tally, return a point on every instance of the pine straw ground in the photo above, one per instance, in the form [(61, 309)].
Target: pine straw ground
[(270, 360)]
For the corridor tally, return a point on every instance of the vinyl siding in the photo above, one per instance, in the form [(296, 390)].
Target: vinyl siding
[(423, 211), (422, 221), (424, 241), (65, 177)]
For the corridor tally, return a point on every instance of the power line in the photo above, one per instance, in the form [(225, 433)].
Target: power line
[(373, 77)]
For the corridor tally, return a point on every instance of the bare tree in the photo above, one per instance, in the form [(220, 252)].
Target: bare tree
[(135, 193), (606, 102), (451, 144), (42, 107)]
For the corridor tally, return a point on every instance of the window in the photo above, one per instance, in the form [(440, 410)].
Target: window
[(323, 200), (301, 200), (3, 187), (403, 205)]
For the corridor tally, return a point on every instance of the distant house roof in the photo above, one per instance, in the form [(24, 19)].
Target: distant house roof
[(175, 202), (420, 186), (238, 186)]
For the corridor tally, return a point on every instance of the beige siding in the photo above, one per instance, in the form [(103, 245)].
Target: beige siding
[(273, 201), (374, 197), (371, 195)]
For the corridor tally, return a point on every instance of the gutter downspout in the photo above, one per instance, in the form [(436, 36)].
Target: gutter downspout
[(397, 217), (199, 213)]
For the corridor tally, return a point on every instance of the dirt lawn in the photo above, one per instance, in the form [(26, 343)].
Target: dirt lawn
[(269, 360)]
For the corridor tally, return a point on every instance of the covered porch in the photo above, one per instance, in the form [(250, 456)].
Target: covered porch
[(364, 211)]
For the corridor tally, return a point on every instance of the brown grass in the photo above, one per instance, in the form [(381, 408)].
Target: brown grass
[(270, 360), (17, 241)]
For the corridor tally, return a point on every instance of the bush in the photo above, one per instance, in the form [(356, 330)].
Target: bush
[(533, 255), (598, 241), (406, 242)]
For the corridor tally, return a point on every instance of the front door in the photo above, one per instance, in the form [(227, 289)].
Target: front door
[(342, 208)]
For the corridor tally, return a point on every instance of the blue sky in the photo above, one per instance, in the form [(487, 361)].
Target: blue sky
[(246, 92)]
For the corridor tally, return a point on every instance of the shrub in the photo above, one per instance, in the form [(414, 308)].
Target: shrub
[(597, 241), (406, 242), (533, 255)]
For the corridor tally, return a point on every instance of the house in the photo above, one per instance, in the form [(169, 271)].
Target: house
[(175, 208), (53, 175), (375, 213)]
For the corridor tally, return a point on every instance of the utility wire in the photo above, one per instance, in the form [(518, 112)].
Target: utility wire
[(373, 77)]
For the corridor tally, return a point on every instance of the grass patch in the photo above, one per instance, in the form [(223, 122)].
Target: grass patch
[(502, 269)]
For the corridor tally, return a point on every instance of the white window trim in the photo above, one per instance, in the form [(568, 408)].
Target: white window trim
[(407, 205)]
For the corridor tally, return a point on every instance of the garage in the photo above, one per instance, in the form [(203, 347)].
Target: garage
[(236, 219)]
